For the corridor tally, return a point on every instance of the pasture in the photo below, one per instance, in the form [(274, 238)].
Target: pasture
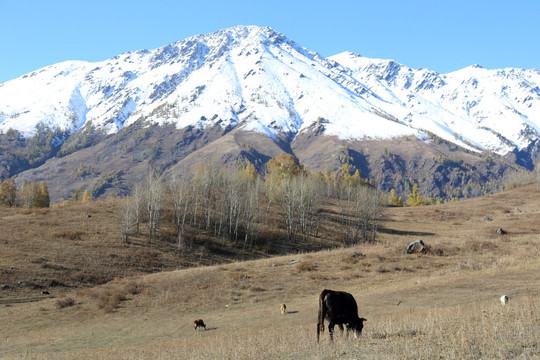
[(444, 303)]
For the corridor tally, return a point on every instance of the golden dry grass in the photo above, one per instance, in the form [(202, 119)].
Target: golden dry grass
[(69, 246), (442, 304)]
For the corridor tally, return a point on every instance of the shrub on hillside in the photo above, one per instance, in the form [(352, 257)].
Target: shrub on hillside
[(90, 278), (305, 266), (132, 288), (67, 234), (64, 303), (111, 299)]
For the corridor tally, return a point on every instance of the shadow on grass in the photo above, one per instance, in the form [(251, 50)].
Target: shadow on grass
[(404, 232), (210, 329)]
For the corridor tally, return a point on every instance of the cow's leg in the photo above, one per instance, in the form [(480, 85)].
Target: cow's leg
[(331, 330), (340, 328)]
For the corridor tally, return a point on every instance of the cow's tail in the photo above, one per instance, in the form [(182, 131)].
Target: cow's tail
[(322, 314)]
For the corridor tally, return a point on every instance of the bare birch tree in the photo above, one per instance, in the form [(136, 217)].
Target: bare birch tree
[(127, 218), (251, 211), (180, 193), (361, 210), (137, 198), (311, 189), (204, 183), (154, 202), (369, 211)]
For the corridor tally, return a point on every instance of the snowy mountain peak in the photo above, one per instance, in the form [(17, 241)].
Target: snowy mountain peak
[(476, 108), (256, 79)]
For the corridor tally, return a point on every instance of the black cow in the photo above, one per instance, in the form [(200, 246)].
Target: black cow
[(199, 323), (339, 308)]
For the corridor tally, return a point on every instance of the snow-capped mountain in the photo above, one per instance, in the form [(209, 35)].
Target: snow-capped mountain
[(496, 110), (253, 80), (259, 80), (244, 76)]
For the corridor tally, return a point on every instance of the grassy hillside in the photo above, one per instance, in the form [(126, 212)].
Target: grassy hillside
[(79, 245), (441, 304)]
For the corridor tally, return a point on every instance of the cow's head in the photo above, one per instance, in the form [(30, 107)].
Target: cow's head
[(357, 326)]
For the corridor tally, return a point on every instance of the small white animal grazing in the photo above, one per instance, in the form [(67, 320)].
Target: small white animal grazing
[(283, 308), (504, 300)]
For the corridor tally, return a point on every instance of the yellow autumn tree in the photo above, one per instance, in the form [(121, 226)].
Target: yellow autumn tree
[(8, 192), (281, 166), (249, 171), (415, 197), (394, 200), (86, 196)]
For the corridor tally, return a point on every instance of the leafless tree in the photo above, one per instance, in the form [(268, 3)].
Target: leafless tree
[(361, 210), (127, 218), (137, 198), (251, 217), (370, 211), (204, 183), (180, 193), (311, 189), (234, 202), (298, 197), (154, 202)]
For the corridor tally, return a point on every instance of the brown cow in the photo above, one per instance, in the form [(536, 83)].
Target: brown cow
[(339, 308), (199, 323)]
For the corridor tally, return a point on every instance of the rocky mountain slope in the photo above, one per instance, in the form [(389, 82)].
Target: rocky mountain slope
[(250, 93)]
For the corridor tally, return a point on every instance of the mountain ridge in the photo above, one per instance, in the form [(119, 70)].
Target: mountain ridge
[(255, 80), (90, 90)]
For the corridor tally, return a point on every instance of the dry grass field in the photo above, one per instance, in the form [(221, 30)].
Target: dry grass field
[(443, 304)]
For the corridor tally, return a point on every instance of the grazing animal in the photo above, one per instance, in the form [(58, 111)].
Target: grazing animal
[(44, 292), (339, 308), (504, 300), (283, 309), (199, 323)]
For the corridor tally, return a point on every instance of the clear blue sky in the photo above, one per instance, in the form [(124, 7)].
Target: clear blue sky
[(439, 35)]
